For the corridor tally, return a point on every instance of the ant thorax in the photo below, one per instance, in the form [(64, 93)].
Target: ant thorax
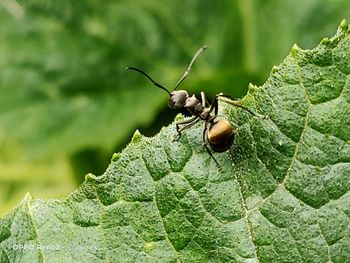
[(192, 102), (196, 108)]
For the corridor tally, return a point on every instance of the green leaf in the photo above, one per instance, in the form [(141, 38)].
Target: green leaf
[(283, 195)]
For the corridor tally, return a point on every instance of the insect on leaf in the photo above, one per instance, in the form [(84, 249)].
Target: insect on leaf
[(283, 194)]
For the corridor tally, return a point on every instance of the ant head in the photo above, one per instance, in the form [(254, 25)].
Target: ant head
[(178, 99)]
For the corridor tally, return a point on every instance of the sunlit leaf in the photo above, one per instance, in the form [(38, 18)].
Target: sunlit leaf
[(282, 195)]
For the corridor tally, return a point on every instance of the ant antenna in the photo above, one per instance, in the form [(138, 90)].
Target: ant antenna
[(146, 75), (190, 65)]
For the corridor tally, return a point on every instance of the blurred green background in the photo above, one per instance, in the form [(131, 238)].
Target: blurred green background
[(66, 102)]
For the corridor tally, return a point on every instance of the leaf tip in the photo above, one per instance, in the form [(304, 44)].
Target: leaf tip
[(252, 87), (344, 24), (295, 50), (115, 157), (27, 197), (136, 137), (274, 69), (325, 41), (90, 177), (179, 117)]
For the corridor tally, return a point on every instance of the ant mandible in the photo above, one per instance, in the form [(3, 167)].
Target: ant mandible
[(219, 134)]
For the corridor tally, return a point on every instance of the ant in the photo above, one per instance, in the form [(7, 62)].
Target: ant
[(219, 134)]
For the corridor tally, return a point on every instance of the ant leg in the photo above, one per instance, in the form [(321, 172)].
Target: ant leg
[(212, 156), (205, 144), (214, 105), (196, 120), (228, 99), (187, 124), (205, 102)]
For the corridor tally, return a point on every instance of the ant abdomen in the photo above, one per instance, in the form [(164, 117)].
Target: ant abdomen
[(220, 135)]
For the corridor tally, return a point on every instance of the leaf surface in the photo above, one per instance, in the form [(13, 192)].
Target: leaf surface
[(62, 79), (283, 195)]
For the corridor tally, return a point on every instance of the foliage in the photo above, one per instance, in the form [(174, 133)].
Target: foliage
[(65, 99), (283, 195)]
